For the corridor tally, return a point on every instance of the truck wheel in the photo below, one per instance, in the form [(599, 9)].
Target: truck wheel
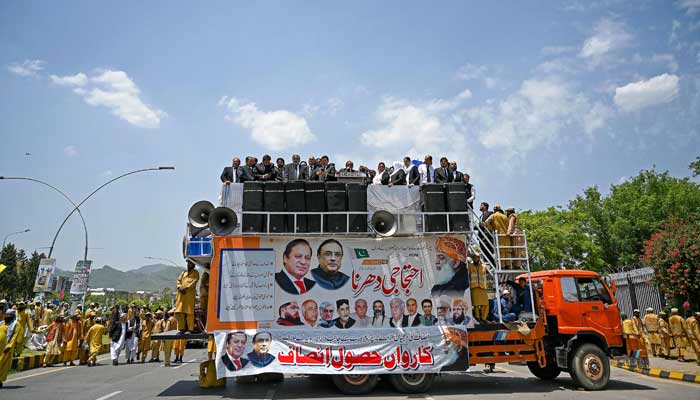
[(411, 383), (590, 367), (354, 384), (549, 372)]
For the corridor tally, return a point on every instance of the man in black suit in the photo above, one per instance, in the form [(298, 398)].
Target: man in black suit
[(398, 319), (231, 174), (235, 346), (442, 174), (265, 171), (296, 170), (247, 171), (297, 262), (325, 171), (412, 175), (455, 175), (349, 167), (413, 317)]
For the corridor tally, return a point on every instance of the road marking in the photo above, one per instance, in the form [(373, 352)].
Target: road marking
[(180, 366), (105, 397), (37, 374), (270, 394)]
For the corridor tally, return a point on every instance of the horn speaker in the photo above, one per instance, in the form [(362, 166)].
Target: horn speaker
[(222, 221), (384, 223), (199, 213)]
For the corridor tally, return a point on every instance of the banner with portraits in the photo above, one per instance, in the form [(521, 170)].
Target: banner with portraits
[(44, 274), (335, 305)]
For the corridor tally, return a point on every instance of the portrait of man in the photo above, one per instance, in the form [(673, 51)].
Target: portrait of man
[(327, 312), (344, 321), (413, 315), (289, 314), (310, 313), (444, 311), (330, 258), (260, 356), (235, 346), (360, 314), (296, 264), (378, 318), (427, 319), (398, 318), (451, 274), (459, 316)]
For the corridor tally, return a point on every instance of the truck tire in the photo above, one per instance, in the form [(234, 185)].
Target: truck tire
[(549, 372), (411, 383), (590, 367), (354, 384)]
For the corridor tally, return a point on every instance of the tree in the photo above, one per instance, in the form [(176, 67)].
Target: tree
[(695, 167), (674, 252), (8, 277)]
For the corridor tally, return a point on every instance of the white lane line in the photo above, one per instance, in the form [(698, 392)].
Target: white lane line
[(105, 397), (180, 366), (270, 394)]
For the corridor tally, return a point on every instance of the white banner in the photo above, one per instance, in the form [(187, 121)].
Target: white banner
[(81, 277), (46, 270)]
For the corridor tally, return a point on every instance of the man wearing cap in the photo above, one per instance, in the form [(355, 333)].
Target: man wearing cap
[(167, 345), (54, 341), (693, 325), (47, 319), (24, 325), (497, 223), (72, 338), (507, 315), (93, 339), (38, 313), (87, 323), (117, 332), (639, 325), (158, 327), (629, 332), (651, 322), (478, 288), (185, 298), (678, 331), (9, 336), (451, 275), (665, 335), (146, 330)]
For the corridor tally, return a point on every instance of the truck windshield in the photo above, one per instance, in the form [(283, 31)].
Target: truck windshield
[(591, 289)]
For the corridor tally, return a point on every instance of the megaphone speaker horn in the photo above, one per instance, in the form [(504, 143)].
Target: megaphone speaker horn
[(198, 215), (222, 221), (384, 223)]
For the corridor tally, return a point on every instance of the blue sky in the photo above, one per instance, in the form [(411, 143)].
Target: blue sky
[(536, 100)]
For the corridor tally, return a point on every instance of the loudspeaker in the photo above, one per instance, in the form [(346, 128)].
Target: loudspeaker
[(274, 201), (198, 215), (457, 202), (315, 202), (253, 201), (295, 202), (336, 200), (434, 201), (357, 201), (384, 223), (222, 221)]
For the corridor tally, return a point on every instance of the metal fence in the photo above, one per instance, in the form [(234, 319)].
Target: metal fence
[(636, 290)]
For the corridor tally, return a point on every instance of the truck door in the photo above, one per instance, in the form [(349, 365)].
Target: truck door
[(598, 310), (568, 310)]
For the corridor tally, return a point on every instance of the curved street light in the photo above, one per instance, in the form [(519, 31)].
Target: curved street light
[(77, 207), (62, 194), (13, 233), (163, 259)]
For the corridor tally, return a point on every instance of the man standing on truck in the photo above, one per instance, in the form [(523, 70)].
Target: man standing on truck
[(185, 298), (678, 330), (651, 322), (497, 223), (478, 286)]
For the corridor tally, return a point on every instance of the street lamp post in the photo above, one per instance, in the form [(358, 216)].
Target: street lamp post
[(13, 233), (163, 259)]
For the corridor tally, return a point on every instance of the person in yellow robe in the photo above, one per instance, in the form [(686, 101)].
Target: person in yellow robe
[(93, 338), (87, 323), (171, 324), (54, 341), (631, 335), (514, 233), (158, 327), (204, 297), (72, 339), (678, 331), (497, 223), (651, 323), (146, 331), (665, 334), (9, 336), (38, 314), (692, 323), (185, 298), (478, 288), (47, 319), (24, 325)]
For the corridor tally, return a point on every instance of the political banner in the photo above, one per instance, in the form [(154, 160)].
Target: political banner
[(81, 276), (47, 268), (319, 305)]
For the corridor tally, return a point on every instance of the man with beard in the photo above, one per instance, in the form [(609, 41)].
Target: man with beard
[(413, 317), (185, 298), (327, 312), (310, 313), (427, 319), (478, 288), (289, 314), (398, 319), (297, 261), (486, 240), (281, 170), (235, 346), (451, 274), (343, 321), (360, 315), (444, 311), (260, 356), (330, 258), (378, 320), (459, 316), (9, 338), (497, 224)]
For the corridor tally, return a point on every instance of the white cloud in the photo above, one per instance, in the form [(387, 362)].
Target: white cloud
[(70, 150), (275, 130), (638, 95), (469, 72), (556, 50), (691, 7), (79, 79), (667, 59), (673, 36), (608, 35), (28, 68), (335, 104)]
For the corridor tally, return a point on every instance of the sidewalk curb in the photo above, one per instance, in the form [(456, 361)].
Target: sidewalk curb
[(30, 362), (658, 373)]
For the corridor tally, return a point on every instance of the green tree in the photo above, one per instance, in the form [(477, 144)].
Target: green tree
[(695, 167), (8, 278)]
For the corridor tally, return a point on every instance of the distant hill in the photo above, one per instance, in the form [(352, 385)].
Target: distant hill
[(151, 278)]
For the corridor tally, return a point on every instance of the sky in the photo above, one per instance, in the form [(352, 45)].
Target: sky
[(535, 100)]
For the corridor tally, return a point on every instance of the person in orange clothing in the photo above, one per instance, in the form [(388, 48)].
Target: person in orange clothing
[(72, 339), (54, 341)]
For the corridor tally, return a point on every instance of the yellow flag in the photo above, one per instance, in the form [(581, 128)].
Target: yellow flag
[(2, 267)]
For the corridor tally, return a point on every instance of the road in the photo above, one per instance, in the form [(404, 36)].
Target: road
[(181, 382)]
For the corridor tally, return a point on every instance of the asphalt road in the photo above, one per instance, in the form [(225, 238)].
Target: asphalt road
[(151, 381)]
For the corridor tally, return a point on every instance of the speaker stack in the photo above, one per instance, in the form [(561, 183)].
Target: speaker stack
[(273, 200), (253, 201), (222, 221), (357, 201), (336, 200), (457, 202), (314, 194), (295, 202), (434, 201)]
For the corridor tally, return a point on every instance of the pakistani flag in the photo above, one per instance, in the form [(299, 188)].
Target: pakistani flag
[(361, 253)]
